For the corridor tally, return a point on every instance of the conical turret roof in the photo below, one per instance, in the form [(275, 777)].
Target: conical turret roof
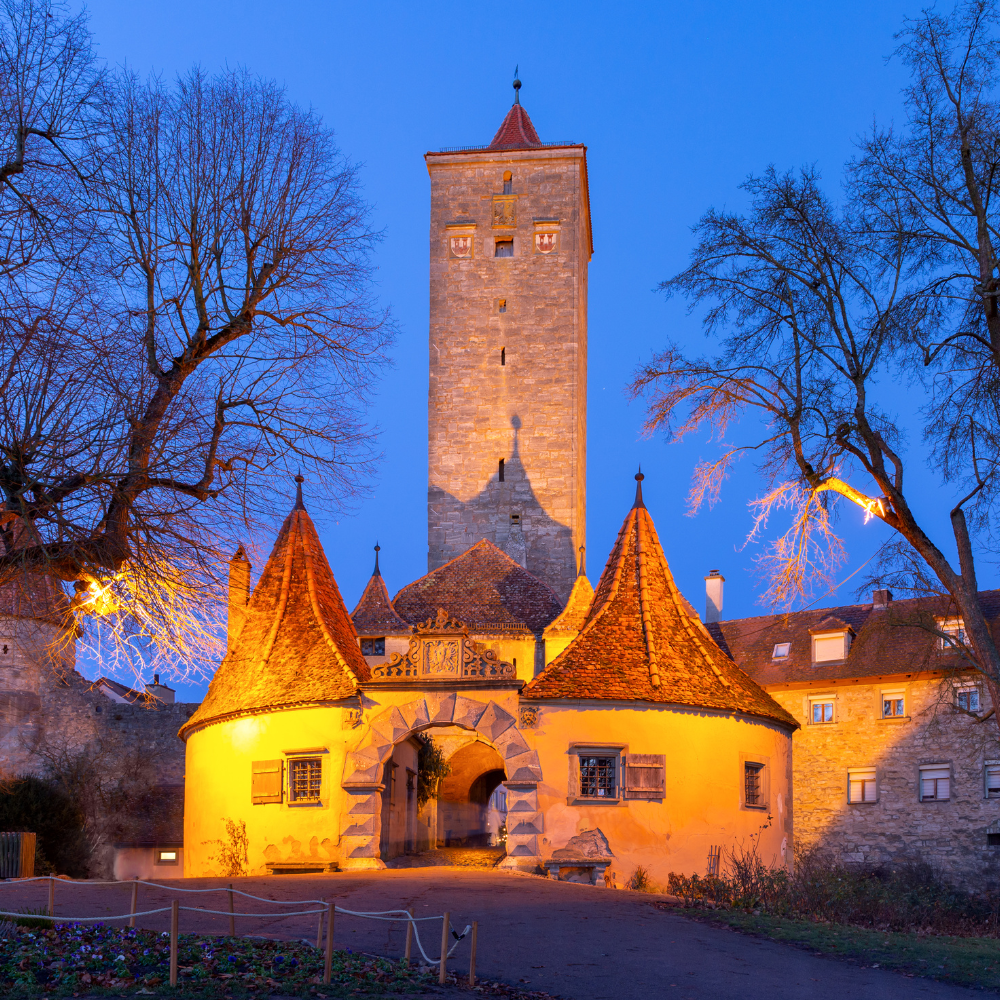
[(574, 615), (516, 131), (375, 614), (641, 642), (298, 645)]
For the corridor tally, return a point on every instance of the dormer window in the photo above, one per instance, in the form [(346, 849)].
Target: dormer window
[(954, 629), (781, 650), (373, 647), (831, 641)]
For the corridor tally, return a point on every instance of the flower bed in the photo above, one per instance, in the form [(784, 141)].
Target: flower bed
[(91, 958)]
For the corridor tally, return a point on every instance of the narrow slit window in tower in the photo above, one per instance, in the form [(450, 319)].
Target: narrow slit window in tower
[(501, 305), (500, 473), (508, 182), (503, 355)]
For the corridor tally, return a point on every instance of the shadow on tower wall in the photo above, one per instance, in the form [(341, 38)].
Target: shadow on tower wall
[(508, 514)]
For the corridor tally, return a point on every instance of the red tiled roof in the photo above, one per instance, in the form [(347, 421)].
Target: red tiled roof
[(485, 589), (641, 643), (298, 645), (516, 131), (890, 640), (375, 614)]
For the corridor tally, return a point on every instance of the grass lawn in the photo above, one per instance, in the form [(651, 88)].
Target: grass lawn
[(967, 961)]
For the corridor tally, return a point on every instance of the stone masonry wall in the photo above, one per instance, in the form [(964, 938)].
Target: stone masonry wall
[(949, 835), (531, 410), (45, 704)]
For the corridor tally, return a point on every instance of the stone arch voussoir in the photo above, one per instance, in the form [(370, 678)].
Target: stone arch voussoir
[(364, 766)]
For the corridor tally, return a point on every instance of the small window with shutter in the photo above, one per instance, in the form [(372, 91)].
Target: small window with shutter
[(645, 776), (935, 783), (266, 781)]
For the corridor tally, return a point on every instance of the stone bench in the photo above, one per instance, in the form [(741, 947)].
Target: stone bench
[(588, 871)]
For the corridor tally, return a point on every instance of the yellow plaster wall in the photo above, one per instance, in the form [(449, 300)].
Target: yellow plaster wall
[(519, 650), (704, 774), (218, 781)]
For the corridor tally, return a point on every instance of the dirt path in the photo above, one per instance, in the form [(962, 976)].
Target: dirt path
[(577, 941)]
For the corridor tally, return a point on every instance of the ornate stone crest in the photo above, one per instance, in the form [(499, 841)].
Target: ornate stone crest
[(546, 242), (441, 648), (504, 211), (461, 246)]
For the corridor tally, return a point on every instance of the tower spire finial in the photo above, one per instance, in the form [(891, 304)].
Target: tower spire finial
[(299, 480), (378, 549), (517, 88), (583, 564), (639, 477)]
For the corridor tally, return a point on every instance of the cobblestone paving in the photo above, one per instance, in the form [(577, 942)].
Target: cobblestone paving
[(455, 857)]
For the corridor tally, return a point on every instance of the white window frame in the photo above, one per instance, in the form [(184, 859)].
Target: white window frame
[(862, 776), (824, 637), (822, 699), (892, 694), (951, 626), (934, 774), (159, 859), (991, 767), (969, 689), (787, 651)]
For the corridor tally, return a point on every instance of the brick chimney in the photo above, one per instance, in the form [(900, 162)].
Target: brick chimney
[(239, 593), (161, 691), (713, 595), (881, 598)]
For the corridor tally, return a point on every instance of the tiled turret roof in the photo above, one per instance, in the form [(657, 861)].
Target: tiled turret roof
[(298, 645), (516, 131), (574, 615), (640, 642), (485, 589), (375, 614)]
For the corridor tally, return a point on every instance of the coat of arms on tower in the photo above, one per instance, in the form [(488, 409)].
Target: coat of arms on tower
[(504, 212), (546, 242), (461, 246)]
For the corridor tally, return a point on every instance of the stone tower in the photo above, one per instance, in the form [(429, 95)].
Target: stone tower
[(510, 242)]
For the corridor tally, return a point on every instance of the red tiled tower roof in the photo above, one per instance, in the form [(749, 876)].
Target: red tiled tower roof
[(516, 131), (375, 614), (640, 641), (298, 645), (485, 589)]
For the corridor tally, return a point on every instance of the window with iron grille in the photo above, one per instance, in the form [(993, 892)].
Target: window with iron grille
[(753, 784), (305, 779), (599, 776)]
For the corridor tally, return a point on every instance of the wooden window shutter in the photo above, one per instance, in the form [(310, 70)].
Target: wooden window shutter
[(645, 776), (266, 784)]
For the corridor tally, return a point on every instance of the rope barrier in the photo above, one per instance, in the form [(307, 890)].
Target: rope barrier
[(392, 916)]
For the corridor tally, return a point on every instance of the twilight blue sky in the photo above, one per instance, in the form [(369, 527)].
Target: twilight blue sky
[(677, 103)]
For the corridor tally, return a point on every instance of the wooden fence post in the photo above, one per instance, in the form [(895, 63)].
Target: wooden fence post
[(52, 896), (328, 962), (135, 900), (409, 938), (173, 943), (442, 972), (232, 919), (472, 960)]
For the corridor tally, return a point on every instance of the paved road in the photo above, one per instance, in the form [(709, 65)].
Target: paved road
[(572, 940)]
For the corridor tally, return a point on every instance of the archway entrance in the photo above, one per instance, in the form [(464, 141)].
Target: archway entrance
[(368, 772), (463, 806)]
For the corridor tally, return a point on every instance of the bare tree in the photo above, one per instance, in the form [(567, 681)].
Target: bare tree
[(213, 331), (821, 306)]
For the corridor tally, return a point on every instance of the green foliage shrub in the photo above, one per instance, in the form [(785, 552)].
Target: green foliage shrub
[(30, 804)]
